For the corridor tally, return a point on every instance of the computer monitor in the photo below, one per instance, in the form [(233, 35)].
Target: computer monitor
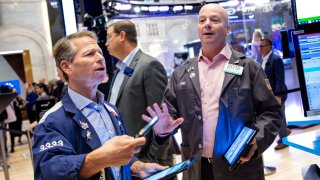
[(12, 84), (307, 51), (306, 14)]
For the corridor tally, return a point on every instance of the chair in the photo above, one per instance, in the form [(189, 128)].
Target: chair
[(42, 106)]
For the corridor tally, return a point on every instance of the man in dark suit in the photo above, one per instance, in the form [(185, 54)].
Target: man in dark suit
[(274, 69), (138, 83)]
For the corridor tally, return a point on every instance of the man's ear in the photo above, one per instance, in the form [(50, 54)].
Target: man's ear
[(122, 35), (65, 66), (228, 30)]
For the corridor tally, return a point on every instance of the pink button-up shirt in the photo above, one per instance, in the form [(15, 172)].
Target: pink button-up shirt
[(211, 75)]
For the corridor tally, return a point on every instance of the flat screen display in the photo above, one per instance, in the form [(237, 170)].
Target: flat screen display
[(307, 13), (12, 84), (307, 50)]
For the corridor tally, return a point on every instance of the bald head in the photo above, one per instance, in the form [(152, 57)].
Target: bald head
[(218, 9)]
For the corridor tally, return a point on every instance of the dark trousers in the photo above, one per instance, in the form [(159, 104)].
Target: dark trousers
[(206, 169), (283, 132)]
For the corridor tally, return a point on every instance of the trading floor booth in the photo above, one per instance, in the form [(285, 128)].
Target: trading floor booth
[(306, 40)]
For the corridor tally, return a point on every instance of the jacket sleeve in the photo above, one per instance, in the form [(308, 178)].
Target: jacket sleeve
[(155, 82), (170, 97), (267, 111), (279, 76), (54, 156)]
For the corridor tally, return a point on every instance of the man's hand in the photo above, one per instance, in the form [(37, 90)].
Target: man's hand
[(32, 126), (120, 149), (116, 152), (251, 152), (143, 170), (165, 124)]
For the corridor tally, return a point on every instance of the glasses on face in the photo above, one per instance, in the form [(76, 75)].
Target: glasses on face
[(260, 46)]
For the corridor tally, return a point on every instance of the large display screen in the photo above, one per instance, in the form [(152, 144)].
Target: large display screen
[(307, 13), (307, 50), (12, 84)]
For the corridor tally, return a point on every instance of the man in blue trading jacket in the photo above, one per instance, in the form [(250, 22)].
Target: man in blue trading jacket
[(274, 69), (82, 137), (216, 94)]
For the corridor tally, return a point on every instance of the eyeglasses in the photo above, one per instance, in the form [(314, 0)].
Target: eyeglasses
[(260, 46)]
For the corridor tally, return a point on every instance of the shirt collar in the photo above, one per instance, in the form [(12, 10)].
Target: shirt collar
[(129, 58), (226, 52), (81, 101), (121, 65)]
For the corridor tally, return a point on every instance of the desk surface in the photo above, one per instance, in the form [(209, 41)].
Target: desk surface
[(309, 141), (301, 120)]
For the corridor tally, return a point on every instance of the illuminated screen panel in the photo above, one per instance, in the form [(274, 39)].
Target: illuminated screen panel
[(12, 84), (309, 45), (307, 11)]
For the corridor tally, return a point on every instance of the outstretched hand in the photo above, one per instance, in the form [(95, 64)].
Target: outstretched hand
[(165, 124), (143, 170)]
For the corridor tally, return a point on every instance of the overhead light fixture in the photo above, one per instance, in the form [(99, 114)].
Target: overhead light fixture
[(144, 8), (137, 9), (163, 8), (122, 7), (231, 3), (188, 7), (177, 8), (153, 8)]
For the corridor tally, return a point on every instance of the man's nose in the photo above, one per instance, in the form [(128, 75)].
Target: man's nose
[(207, 23), (99, 57)]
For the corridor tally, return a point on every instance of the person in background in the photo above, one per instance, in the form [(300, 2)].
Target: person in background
[(139, 82), (31, 98), (10, 121), (215, 95), (52, 89), (274, 69), (83, 137), (62, 85), (44, 85), (40, 90), (256, 37), (18, 104)]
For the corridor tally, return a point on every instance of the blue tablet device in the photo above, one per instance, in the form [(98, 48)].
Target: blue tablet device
[(240, 147), (172, 171)]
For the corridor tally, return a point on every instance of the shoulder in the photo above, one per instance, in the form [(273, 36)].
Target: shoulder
[(148, 61), (53, 113), (275, 57)]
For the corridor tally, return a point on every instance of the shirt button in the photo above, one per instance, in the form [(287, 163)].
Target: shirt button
[(199, 117), (200, 146)]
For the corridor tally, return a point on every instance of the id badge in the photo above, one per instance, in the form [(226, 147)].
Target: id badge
[(233, 69)]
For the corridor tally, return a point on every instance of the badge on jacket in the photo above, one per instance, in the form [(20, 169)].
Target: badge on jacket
[(84, 125), (88, 135), (233, 69)]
